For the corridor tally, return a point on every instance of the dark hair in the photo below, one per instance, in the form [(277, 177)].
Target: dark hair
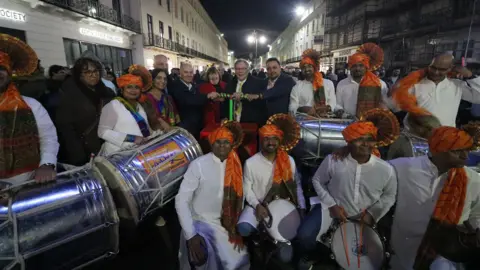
[(111, 74), (82, 63), (156, 71), (273, 59), (210, 71), (54, 69)]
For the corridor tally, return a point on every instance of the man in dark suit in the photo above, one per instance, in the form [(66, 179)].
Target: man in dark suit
[(190, 102), (252, 108), (279, 87)]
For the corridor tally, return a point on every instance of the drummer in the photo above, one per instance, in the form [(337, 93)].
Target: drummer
[(315, 95), (208, 208), (269, 174), (123, 121), (28, 138), (437, 183), (360, 186)]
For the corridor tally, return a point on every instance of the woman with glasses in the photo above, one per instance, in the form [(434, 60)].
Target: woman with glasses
[(79, 111), (123, 121), (162, 102), (213, 84)]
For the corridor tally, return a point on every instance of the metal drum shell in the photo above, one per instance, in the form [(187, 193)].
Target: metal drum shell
[(319, 138), (135, 193), (66, 224)]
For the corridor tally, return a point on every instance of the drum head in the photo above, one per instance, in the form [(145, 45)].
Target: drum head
[(286, 220), (121, 192), (371, 252)]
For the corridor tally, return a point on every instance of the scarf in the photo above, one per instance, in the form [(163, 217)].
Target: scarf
[(405, 100), (19, 139), (283, 185), (233, 188), (370, 89), (359, 129), (318, 89), (450, 203), (165, 108), (142, 124)]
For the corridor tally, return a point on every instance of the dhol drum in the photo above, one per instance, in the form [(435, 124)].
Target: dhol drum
[(66, 224), (356, 246), (319, 137), (148, 177), (283, 222), (418, 145)]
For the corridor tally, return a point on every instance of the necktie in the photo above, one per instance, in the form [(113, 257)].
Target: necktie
[(238, 104)]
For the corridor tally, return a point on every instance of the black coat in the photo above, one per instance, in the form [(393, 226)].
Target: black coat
[(77, 120), (278, 97), (190, 105), (252, 111)]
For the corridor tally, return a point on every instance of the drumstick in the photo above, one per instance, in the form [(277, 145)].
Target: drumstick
[(360, 245)]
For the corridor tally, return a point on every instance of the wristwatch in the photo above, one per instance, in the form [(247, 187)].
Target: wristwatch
[(49, 165)]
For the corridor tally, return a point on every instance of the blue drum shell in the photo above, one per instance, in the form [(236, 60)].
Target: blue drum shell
[(61, 225)]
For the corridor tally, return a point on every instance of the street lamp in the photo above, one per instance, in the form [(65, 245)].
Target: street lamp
[(300, 10), (254, 38)]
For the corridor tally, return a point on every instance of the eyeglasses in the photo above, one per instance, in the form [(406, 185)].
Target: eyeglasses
[(91, 73)]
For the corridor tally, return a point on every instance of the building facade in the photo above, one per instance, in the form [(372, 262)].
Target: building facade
[(303, 32), (183, 31), (60, 31), (410, 32)]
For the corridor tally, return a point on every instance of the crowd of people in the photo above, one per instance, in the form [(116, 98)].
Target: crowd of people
[(221, 201)]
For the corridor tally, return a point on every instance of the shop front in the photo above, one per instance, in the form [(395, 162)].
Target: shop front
[(61, 37)]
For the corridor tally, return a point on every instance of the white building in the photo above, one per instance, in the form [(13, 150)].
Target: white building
[(60, 31), (183, 31), (304, 31)]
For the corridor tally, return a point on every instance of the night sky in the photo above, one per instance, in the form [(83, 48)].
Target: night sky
[(238, 18)]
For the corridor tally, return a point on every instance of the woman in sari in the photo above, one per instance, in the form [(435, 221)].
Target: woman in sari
[(123, 121), (162, 102)]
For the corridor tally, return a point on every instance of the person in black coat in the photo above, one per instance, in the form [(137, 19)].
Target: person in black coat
[(190, 102), (279, 87), (253, 106)]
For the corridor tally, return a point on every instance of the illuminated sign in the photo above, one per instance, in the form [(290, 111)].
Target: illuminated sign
[(100, 35), (12, 15)]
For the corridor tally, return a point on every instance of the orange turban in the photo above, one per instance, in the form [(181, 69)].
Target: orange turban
[(129, 79), (359, 129), (359, 58), (270, 130), (444, 139), (6, 62), (221, 133)]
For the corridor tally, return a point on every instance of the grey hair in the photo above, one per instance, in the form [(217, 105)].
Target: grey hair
[(241, 60), (183, 65)]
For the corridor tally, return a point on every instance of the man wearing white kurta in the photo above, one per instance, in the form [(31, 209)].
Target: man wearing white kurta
[(302, 95), (421, 182), (208, 205), (436, 93), (262, 183), (360, 186)]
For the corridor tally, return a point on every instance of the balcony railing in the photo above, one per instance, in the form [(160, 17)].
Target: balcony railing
[(160, 42), (95, 10), (293, 60)]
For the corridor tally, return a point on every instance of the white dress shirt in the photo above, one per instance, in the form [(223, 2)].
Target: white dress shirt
[(419, 186), (347, 95), (48, 139), (258, 179), (443, 99), (201, 193), (302, 95), (116, 122), (371, 186)]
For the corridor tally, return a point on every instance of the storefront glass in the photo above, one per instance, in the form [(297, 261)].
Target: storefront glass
[(117, 59)]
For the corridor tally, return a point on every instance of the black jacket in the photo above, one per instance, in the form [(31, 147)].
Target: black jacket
[(190, 106), (252, 111), (278, 97)]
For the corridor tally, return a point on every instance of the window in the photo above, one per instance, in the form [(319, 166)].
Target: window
[(188, 42), (322, 20), (183, 40), (176, 8), (181, 14), (188, 20), (307, 29), (177, 35), (150, 29), (170, 32), (160, 28), (116, 6), (168, 5), (313, 26), (160, 2)]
